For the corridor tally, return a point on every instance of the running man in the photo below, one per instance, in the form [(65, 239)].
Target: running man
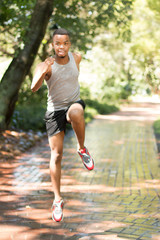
[(63, 106)]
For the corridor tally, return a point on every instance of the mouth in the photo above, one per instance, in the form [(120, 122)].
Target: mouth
[(61, 53)]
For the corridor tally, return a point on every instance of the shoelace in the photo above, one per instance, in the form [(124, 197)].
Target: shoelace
[(58, 207), (86, 158)]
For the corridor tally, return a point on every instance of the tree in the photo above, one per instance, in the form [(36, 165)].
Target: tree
[(21, 63), (145, 45), (126, 68), (14, 21), (83, 18)]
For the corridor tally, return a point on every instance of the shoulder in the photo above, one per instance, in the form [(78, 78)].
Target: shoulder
[(45, 69), (77, 57)]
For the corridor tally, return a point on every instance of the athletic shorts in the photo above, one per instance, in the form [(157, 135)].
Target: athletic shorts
[(56, 121)]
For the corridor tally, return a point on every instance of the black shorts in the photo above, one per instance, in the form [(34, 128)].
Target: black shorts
[(56, 121)]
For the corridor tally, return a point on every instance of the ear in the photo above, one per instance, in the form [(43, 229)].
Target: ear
[(52, 45)]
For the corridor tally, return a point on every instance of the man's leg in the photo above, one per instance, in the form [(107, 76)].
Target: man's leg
[(75, 116), (56, 145)]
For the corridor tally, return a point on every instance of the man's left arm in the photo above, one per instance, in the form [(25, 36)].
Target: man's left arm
[(77, 58)]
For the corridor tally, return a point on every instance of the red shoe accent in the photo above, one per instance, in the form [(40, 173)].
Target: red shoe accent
[(83, 150), (87, 160), (57, 214)]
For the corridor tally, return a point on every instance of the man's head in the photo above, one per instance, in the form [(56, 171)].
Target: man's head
[(61, 31), (61, 42)]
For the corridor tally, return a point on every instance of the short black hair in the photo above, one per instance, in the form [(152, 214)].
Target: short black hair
[(61, 31)]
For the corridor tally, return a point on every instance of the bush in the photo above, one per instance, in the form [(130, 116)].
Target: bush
[(89, 114), (102, 108), (29, 117), (156, 127), (30, 109)]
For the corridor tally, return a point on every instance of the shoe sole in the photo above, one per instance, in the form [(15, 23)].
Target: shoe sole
[(60, 220)]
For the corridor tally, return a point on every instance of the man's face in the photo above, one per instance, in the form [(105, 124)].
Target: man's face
[(61, 45)]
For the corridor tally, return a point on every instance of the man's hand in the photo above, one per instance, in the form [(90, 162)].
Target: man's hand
[(48, 62), (43, 71)]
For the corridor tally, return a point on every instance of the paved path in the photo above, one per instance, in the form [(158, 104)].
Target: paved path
[(118, 200)]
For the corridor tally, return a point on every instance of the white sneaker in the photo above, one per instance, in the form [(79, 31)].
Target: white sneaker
[(86, 158), (57, 212)]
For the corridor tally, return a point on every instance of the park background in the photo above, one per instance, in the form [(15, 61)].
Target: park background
[(118, 39)]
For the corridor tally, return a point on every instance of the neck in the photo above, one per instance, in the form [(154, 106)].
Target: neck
[(62, 61)]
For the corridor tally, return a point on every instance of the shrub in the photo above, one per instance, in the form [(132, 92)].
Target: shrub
[(102, 108), (156, 127), (30, 109), (28, 117)]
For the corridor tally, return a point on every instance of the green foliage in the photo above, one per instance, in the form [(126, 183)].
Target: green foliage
[(94, 106), (156, 127), (116, 69), (15, 12), (28, 117), (89, 114), (14, 20), (30, 108), (154, 5), (101, 108), (84, 19), (145, 46), (87, 21), (26, 96), (107, 71)]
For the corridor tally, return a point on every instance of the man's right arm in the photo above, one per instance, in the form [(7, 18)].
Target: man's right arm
[(43, 71)]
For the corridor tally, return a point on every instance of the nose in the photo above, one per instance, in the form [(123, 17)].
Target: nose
[(61, 46)]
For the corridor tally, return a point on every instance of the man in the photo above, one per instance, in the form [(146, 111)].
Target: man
[(64, 106)]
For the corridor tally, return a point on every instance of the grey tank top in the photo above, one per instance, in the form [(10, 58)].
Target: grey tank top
[(63, 86)]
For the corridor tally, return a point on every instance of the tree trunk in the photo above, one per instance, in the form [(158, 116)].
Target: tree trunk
[(22, 62)]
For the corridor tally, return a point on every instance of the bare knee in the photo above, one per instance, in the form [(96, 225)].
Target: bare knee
[(56, 146), (56, 157), (76, 115)]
